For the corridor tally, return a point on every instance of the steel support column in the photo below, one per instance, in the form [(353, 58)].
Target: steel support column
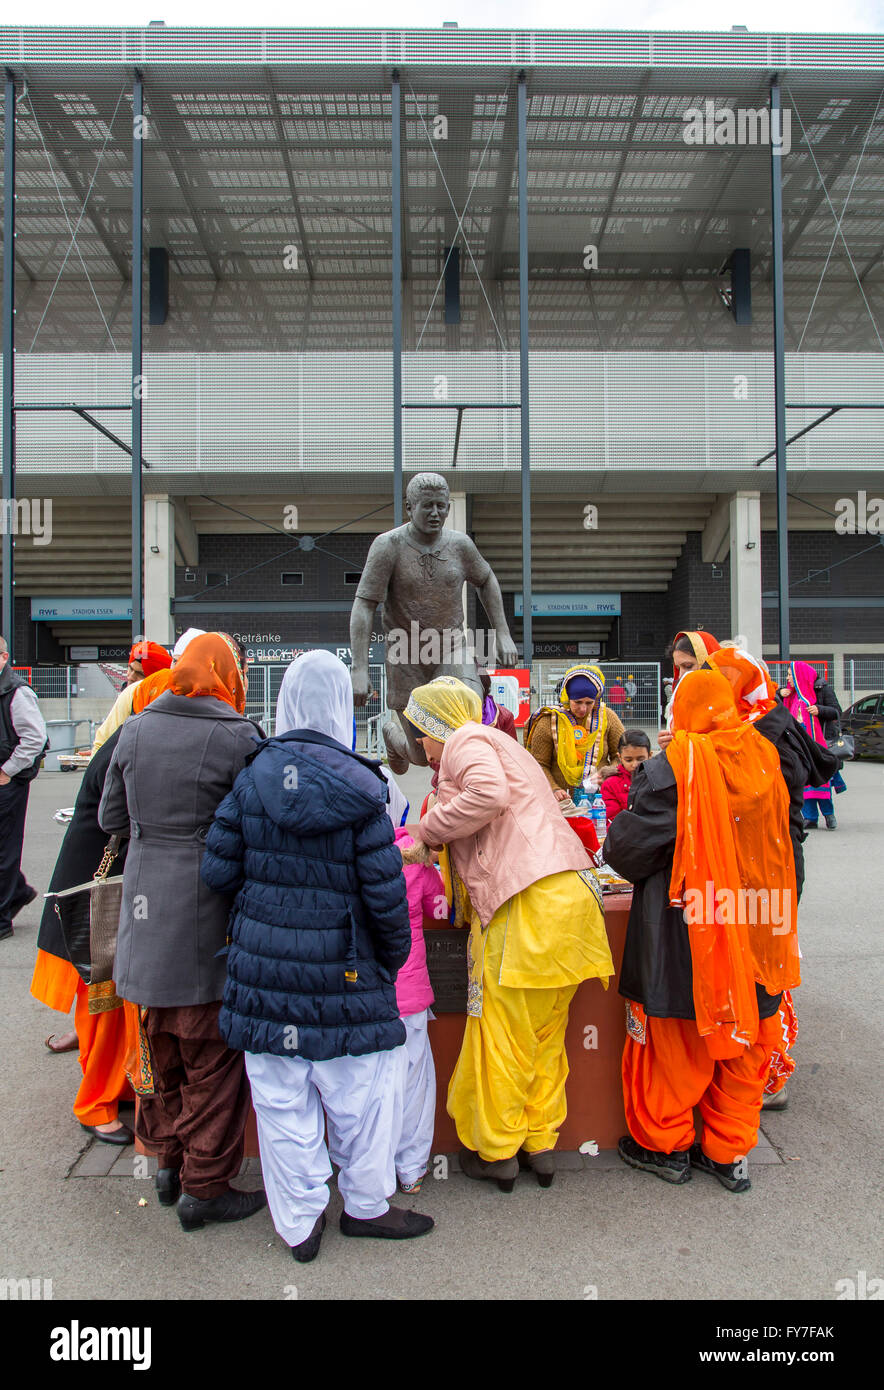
[(396, 113), (7, 625), (137, 375), (527, 634), (776, 205)]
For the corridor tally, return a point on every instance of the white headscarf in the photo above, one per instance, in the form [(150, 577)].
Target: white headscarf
[(316, 693), (184, 639), (397, 806)]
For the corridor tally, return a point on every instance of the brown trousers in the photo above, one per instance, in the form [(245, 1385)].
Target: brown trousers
[(196, 1119)]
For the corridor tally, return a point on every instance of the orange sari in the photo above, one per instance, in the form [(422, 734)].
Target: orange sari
[(733, 861)]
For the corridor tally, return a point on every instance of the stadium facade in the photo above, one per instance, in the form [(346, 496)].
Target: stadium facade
[(624, 290)]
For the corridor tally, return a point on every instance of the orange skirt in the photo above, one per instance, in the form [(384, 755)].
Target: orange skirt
[(106, 1039)]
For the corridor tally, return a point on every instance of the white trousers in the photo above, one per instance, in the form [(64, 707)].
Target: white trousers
[(419, 1102), (362, 1099)]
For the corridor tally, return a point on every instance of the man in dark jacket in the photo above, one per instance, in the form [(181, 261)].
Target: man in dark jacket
[(319, 930), (22, 745)]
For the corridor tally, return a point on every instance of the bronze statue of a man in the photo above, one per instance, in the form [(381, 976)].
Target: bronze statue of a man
[(417, 571)]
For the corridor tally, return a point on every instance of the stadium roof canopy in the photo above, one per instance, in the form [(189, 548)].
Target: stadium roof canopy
[(259, 141)]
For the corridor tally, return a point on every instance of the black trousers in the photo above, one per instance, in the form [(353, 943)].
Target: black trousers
[(13, 884)]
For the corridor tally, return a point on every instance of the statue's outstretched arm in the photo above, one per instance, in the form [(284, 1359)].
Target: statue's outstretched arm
[(361, 619), (492, 601)]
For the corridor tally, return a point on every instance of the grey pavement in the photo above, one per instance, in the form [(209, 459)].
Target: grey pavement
[(70, 1209)]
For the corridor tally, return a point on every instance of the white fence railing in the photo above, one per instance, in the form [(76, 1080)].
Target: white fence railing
[(863, 676), (632, 688)]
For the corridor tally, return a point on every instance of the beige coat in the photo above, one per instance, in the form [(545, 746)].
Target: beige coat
[(498, 816)]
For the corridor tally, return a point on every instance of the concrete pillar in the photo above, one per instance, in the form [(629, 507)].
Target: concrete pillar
[(745, 556), (159, 568)]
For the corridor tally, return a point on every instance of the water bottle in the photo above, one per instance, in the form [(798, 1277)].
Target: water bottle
[(598, 814), (581, 799)]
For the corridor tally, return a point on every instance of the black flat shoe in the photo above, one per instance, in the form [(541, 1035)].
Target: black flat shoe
[(730, 1175), (503, 1170), (674, 1167), (121, 1136), (20, 903), (396, 1224), (309, 1248), (168, 1186), (232, 1205)]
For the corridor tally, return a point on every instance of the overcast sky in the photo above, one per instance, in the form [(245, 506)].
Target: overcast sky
[(797, 16)]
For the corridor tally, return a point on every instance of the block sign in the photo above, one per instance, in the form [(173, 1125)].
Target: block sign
[(512, 689)]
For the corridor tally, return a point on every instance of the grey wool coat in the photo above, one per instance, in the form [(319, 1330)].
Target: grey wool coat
[(173, 765)]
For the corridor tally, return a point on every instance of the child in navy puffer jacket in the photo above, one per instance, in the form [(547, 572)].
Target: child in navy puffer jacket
[(319, 930), (414, 995)]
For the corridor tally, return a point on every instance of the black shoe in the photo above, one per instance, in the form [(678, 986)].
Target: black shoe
[(232, 1205), (503, 1170), (121, 1136), (168, 1185), (396, 1224), (6, 931), (811, 825), (18, 904), (542, 1164), (309, 1248), (674, 1167), (728, 1174), (831, 823)]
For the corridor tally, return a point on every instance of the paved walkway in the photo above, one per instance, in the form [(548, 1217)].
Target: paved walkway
[(70, 1209)]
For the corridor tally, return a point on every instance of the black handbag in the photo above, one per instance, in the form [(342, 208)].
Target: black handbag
[(89, 915), (842, 746)]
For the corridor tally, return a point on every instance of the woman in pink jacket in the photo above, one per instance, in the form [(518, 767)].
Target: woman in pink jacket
[(537, 930), (414, 995)]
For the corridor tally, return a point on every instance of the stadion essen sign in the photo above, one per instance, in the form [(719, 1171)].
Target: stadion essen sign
[(571, 605), (81, 609)]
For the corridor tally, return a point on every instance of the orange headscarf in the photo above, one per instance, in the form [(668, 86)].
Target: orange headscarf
[(210, 666), (754, 692), (733, 869), (147, 690), (702, 644)]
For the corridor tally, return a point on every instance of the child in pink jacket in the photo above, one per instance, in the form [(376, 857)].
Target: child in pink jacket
[(414, 995)]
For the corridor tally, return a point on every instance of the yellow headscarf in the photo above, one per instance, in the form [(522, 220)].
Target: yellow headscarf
[(438, 710), (443, 706), (574, 741)]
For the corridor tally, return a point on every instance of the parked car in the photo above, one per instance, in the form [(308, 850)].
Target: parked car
[(865, 721)]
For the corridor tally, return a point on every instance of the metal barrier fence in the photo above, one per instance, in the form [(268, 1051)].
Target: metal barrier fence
[(51, 682), (265, 678), (779, 670), (863, 676), (632, 688)]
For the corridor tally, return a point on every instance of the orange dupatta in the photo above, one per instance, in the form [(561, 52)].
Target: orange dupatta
[(754, 692), (209, 666), (733, 870), (148, 689)]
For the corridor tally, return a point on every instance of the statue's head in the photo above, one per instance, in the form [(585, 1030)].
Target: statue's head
[(427, 501)]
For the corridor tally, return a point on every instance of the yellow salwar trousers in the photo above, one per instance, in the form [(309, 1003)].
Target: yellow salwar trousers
[(507, 1091)]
